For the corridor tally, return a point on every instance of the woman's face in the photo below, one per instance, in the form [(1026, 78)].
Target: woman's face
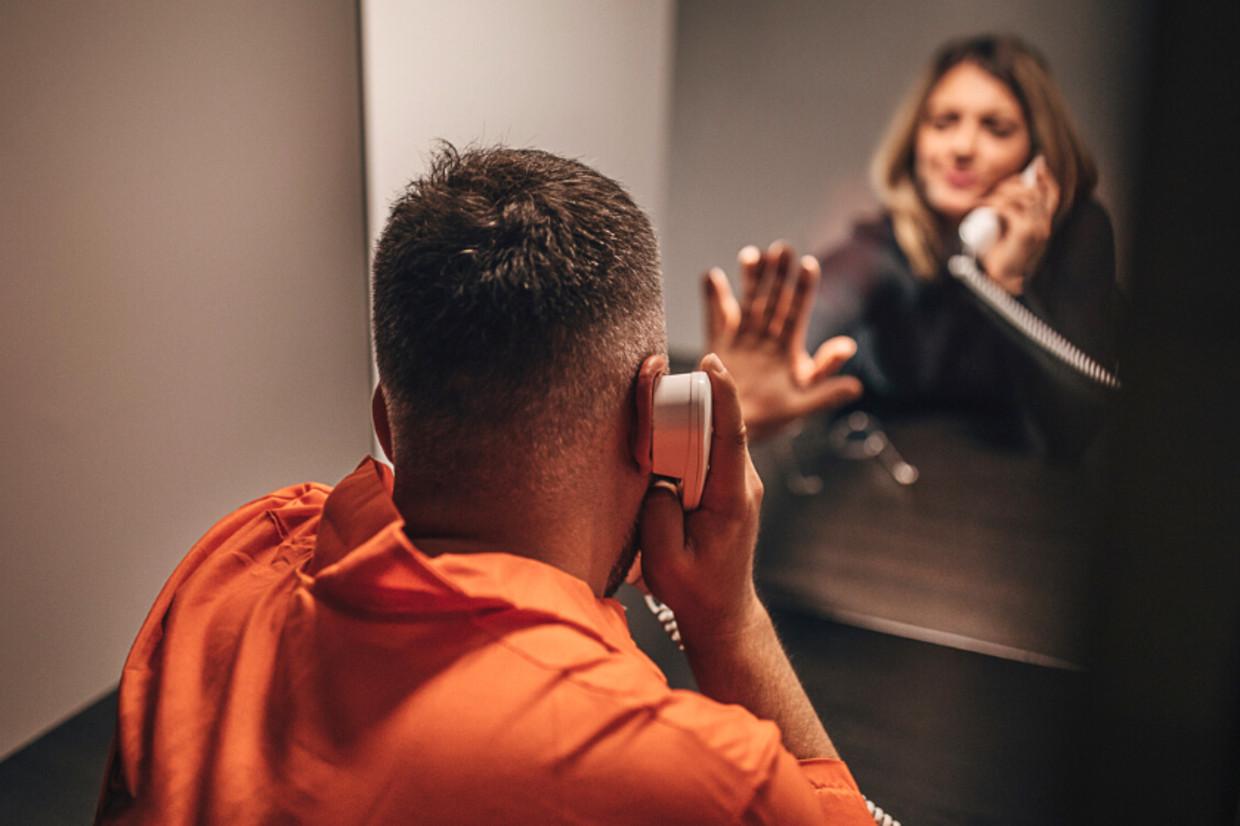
[(971, 136)]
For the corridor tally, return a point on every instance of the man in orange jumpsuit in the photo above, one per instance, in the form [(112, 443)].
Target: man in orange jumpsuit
[(437, 643)]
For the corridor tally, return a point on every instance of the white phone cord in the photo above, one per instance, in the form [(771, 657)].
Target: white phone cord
[(880, 817), (665, 616)]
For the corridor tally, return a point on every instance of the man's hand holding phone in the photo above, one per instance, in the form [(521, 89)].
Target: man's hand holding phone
[(700, 563)]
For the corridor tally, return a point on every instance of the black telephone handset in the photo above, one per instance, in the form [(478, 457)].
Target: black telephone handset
[(680, 444), (979, 230)]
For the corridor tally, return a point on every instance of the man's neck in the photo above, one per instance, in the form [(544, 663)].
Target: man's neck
[(555, 528)]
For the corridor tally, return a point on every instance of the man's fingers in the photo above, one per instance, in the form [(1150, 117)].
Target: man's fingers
[(661, 529), (634, 576), (729, 448)]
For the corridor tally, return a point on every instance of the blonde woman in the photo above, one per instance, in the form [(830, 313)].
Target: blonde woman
[(986, 111)]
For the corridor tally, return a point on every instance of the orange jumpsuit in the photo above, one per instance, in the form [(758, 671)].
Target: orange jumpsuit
[(307, 664)]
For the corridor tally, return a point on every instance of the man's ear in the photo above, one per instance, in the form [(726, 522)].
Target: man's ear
[(643, 415), (383, 425)]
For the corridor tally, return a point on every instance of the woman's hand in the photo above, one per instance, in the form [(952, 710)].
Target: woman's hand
[(1025, 218), (762, 340)]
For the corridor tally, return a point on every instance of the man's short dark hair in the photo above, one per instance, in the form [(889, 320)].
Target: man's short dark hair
[(514, 291)]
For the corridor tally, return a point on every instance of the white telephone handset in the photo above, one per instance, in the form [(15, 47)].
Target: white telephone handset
[(981, 228), (680, 447)]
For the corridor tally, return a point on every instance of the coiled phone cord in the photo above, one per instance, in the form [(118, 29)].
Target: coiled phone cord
[(966, 270)]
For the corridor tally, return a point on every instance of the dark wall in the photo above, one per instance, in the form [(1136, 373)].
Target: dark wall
[(1167, 710)]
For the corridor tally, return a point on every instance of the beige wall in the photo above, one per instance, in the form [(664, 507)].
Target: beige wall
[(183, 322), (588, 80)]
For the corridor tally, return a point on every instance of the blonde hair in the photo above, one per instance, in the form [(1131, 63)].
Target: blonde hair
[(1052, 132)]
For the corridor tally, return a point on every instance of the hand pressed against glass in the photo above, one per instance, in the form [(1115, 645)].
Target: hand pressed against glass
[(762, 340)]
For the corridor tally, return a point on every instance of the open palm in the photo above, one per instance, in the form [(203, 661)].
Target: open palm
[(761, 340)]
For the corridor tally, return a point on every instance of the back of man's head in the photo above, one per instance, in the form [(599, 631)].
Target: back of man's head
[(516, 294)]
